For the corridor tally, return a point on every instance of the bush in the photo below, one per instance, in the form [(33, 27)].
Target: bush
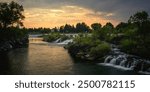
[(87, 46), (129, 45), (64, 37), (100, 51), (51, 37), (12, 34), (54, 36)]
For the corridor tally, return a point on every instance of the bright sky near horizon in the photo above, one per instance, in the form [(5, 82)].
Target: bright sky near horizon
[(54, 13)]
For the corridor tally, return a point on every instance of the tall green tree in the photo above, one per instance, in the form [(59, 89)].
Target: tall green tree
[(11, 15), (139, 17)]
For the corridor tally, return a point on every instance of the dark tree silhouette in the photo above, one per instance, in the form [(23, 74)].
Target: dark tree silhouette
[(11, 15), (69, 29), (96, 26), (139, 17), (109, 26), (121, 25), (82, 27), (142, 22)]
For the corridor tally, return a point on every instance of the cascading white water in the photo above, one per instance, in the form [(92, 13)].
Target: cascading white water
[(121, 59), (113, 61), (58, 40), (108, 58), (66, 41)]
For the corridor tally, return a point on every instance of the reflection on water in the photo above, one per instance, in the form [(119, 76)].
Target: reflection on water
[(42, 58)]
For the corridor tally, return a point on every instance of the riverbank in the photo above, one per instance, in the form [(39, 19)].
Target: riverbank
[(13, 44), (13, 38)]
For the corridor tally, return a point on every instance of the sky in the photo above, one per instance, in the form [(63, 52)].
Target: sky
[(54, 13)]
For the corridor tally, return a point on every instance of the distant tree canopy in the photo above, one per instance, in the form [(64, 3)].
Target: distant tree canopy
[(82, 27), (67, 29), (11, 15), (109, 26), (96, 26)]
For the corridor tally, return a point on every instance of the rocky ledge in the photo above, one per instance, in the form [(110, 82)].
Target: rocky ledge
[(13, 44)]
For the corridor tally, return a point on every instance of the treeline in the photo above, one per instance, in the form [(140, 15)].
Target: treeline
[(67, 28), (79, 28)]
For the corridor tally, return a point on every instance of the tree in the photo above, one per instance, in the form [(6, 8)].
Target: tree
[(109, 26), (82, 27), (61, 29), (96, 26), (142, 22), (69, 29), (11, 15), (139, 17), (138, 35), (121, 25)]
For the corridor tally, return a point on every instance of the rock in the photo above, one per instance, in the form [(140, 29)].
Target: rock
[(9, 45)]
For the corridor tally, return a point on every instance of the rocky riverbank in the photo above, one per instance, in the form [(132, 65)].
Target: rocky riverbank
[(13, 44)]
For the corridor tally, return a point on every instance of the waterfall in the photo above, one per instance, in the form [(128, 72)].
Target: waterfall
[(108, 58), (58, 40), (121, 59), (113, 61), (66, 41)]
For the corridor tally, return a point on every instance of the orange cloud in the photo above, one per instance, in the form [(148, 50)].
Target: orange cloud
[(38, 17)]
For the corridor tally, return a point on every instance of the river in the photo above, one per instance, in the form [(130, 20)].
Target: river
[(42, 58)]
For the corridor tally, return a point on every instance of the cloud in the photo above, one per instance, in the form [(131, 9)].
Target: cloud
[(65, 14), (112, 10)]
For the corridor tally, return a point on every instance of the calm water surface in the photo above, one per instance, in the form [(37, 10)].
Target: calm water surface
[(45, 59)]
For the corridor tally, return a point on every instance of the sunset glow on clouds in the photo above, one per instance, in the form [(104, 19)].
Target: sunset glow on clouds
[(54, 13), (37, 17)]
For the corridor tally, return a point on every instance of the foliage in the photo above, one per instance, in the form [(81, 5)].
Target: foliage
[(128, 45), (139, 17), (104, 33), (38, 30), (64, 37), (100, 50), (132, 37), (85, 45), (137, 34), (54, 36), (11, 15), (51, 37), (12, 34), (96, 26), (82, 27)]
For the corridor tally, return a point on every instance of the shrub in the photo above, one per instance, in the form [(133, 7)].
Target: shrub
[(129, 45), (51, 37), (64, 37), (100, 50), (83, 46)]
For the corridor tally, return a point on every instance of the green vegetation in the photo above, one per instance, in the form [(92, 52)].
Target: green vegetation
[(132, 37), (137, 35), (85, 47), (11, 33), (11, 15), (54, 36), (67, 28), (100, 51)]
